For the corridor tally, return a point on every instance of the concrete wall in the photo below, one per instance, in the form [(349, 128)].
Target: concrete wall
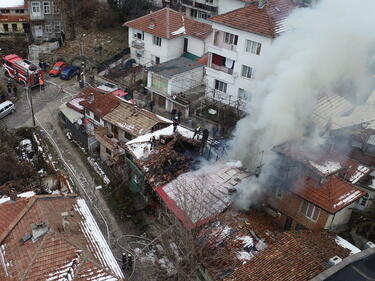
[(185, 81), (289, 204), (339, 219), (229, 5), (90, 114), (241, 57)]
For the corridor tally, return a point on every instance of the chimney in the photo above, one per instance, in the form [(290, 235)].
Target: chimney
[(151, 24), (91, 98), (146, 153), (38, 230), (65, 222), (333, 261), (167, 4), (262, 3), (369, 245)]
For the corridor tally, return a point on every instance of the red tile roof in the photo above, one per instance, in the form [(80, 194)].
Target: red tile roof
[(164, 22), (55, 253), (14, 18), (82, 96), (332, 196), (102, 103), (267, 21), (295, 256), (9, 212)]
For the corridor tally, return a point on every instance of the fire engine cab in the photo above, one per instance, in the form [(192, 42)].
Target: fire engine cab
[(22, 71)]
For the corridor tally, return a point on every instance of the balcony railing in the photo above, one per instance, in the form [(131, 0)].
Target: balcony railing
[(36, 16), (222, 68), (138, 44), (200, 6)]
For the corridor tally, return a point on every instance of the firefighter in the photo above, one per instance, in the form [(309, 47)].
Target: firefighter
[(15, 90), (175, 124), (9, 83), (130, 261), (179, 114), (205, 134), (41, 82), (152, 142), (124, 261), (197, 131), (173, 113), (152, 103)]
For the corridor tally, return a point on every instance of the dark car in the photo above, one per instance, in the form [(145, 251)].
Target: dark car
[(68, 72)]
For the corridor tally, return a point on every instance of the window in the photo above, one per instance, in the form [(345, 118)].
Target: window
[(155, 59), (209, 1), (363, 201), (35, 7), (55, 7), (20, 11), (248, 71), (14, 27), (128, 136), (5, 11), (202, 15), (139, 35), (108, 151), (6, 27), (156, 40), (96, 117), (230, 38), (193, 13), (309, 210), (220, 86), (243, 94), (48, 28), (47, 7), (253, 47), (57, 27)]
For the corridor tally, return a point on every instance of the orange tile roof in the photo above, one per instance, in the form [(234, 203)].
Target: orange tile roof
[(332, 196), (267, 21), (164, 22), (102, 104), (14, 18), (56, 253), (9, 212), (295, 256)]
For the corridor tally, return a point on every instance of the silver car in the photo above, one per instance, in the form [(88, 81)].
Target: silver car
[(7, 107)]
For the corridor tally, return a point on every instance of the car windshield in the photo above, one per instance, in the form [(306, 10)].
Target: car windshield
[(56, 68)]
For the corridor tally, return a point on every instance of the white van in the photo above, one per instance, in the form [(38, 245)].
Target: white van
[(7, 107)]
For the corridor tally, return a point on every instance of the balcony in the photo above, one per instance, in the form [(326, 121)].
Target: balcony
[(36, 16), (201, 6), (138, 44), (222, 68)]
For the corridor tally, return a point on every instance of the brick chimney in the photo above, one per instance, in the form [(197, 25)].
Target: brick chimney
[(65, 222)]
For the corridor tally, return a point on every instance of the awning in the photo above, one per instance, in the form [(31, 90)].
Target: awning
[(72, 115)]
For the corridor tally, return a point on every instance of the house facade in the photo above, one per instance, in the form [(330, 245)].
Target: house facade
[(46, 20), (166, 34), (170, 82), (200, 9), (14, 20), (237, 48)]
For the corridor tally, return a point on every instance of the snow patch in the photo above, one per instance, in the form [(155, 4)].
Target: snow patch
[(346, 198), (4, 199), (27, 194), (346, 244), (360, 173), (327, 168)]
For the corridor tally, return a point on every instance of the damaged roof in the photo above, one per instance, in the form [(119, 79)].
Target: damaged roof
[(169, 24), (75, 103), (197, 196), (55, 254), (270, 20), (134, 119), (332, 195), (174, 67), (101, 104)]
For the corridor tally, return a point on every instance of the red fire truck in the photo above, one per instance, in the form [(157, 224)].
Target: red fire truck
[(22, 71)]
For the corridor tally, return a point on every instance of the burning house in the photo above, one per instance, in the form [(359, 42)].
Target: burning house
[(51, 237), (238, 246), (314, 187)]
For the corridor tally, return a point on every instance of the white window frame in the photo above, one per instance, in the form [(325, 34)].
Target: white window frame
[(243, 94), (54, 8), (156, 40), (247, 71), (48, 28), (202, 15), (230, 38), (253, 47), (363, 201), (221, 86), (35, 8), (46, 7), (310, 211)]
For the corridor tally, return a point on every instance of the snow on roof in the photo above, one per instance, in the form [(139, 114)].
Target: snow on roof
[(346, 244), (11, 3), (107, 89), (92, 233), (359, 173), (76, 102), (138, 144), (327, 167), (181, 30), (347, 197), (199, 195)]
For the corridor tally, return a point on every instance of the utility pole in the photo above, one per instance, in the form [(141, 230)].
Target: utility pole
[(28, 93)]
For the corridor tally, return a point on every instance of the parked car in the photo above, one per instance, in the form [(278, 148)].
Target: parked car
[(68, 72), (57, 68), (7, 107)]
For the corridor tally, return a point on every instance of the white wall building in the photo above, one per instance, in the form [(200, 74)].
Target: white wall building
[(200, 9), (237, 48), (168, 80), (165, 35)]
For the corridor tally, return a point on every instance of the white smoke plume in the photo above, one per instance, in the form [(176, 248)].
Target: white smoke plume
[(328, 50)]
